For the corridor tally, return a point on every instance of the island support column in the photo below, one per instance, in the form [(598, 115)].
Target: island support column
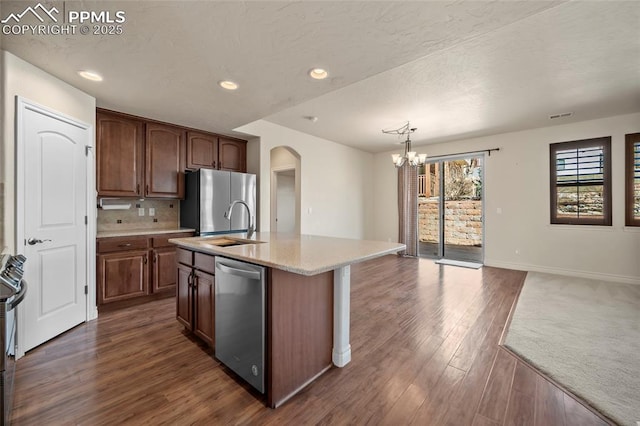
[(341, 355)]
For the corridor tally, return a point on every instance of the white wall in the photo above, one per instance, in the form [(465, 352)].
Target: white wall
[(20, 78), (282, 158), (517, 181), (23, 79), (253, 166), (2, 167), (334, 181)]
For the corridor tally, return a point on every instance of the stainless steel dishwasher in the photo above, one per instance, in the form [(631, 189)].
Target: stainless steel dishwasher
[(240, 319)]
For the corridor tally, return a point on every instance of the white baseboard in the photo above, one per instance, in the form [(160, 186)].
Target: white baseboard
[(93, 313), (625, 279)]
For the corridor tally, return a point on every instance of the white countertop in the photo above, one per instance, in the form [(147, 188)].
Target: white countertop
[(300, 254), (134, 232)]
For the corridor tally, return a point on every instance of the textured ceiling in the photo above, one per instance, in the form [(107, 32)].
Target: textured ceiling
[(453, 68), (580, 57)]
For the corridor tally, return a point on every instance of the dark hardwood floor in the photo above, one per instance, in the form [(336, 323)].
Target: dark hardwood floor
[(425, 351)]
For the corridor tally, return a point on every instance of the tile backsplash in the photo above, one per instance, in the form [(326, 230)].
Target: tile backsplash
[(166, 216)]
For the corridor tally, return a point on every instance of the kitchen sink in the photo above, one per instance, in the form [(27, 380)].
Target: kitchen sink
[(227, 242)]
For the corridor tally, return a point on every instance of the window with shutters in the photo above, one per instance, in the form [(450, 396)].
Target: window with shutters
[(632, 178), (581, 182)]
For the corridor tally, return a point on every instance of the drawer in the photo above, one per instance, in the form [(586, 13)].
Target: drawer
[(163, 240), (122, 244), (205, 262), (184, 256)]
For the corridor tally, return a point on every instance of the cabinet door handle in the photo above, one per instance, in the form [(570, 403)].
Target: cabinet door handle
[(147, 190), (155, 258), (145, 259), (138, 189), (214, 164), (190, 280), (124, 245)]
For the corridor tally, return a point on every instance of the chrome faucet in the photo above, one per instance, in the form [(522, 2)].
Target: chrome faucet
[(252, 227)]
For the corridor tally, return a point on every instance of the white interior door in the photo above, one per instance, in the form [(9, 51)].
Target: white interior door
[(54, 188)]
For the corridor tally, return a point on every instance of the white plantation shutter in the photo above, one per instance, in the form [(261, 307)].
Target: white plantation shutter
[(633, 179), (581, 182)]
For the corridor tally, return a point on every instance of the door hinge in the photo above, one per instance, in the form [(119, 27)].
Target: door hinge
[(87, 148), (86, 220), (86, 289)]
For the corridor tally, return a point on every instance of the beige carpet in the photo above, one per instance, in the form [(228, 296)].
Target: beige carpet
[(585, 335)]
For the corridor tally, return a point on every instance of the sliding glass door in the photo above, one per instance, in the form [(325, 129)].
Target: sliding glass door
[(450, 209)]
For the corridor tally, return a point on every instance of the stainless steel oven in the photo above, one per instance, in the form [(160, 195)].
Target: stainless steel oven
[(12, 291)]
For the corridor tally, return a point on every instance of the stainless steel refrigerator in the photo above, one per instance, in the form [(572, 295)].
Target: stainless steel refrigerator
[(208, 194)]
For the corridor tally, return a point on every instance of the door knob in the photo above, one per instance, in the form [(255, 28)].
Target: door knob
[(34, 241)]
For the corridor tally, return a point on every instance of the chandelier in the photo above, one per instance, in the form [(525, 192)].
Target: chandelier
[(410, 157)]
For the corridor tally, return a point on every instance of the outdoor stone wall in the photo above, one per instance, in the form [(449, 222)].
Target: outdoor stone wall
[(463, 221), (590, 200)]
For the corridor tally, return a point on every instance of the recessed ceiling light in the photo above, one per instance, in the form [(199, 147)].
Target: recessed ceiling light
[(318, 73), (228, 84), (90, 75)]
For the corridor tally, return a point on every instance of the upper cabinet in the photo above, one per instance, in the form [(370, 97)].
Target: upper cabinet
[(137, 157), (209, 151), (164, 154), (232, 155), (119, 150), (202, 151)]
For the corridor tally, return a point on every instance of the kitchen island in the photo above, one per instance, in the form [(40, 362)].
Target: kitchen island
[(308, 298)]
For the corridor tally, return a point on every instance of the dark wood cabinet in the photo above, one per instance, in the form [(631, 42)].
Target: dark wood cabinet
[(184, 296), (164, 157), (138, 157), (135, 267), (212, 152), (203, 306), (119, 152), (195, 302), (202, 151), (232, 155), (122, 275), (164, 269)]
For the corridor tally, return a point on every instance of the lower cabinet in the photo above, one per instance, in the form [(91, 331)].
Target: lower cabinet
[(195, 302), (298, 321), (184, 296), (126, 274), (203, 306), (136, 267), (164, 267)]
